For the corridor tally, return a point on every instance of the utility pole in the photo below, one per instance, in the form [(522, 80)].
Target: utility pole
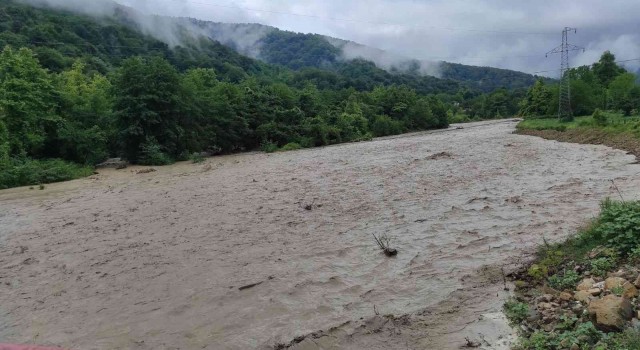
[(564, 107)]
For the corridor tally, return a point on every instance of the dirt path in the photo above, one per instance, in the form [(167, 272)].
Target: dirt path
[(157, 261)]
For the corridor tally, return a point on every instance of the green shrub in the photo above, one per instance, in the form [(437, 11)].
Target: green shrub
[(618, 226), (561, 128), (585, 335), (196, 158), (515, 311), (629, 339), (550, 258), (24, 172), (151, 154), (384, 126), (599, 117), (601, 266), (538, 272), (634, 255), (292, 146), (567, 280), (268, 146)]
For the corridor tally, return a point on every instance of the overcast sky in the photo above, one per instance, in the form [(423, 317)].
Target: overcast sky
[(509, 34)]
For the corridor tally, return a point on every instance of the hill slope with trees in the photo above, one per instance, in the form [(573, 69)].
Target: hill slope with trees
[(76, 89), (298, 50)]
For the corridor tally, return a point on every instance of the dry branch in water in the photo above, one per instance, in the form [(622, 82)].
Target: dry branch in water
[(384, 243)]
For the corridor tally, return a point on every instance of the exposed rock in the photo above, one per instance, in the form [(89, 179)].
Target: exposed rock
[(586, 284), (577, 309), (583, 296), (564, 296), (628, 289), (599, 285), (545, 298), (533, 316), (637, 282), (619, 273), (117, 163), (574, 347), (595, 291), (611, 312), (548, 290)]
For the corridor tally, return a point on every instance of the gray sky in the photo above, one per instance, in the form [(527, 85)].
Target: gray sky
[(513, 34)]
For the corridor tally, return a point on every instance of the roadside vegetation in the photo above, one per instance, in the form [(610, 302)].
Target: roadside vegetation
[(583, 293)]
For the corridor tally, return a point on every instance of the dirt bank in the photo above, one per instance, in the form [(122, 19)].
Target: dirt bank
[(161, 260), (621, 141)]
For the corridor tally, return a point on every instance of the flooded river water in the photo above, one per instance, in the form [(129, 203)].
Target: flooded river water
[(252, 250)]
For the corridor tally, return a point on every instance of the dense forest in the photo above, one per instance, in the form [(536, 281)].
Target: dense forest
[(75, 90), (603, 86)]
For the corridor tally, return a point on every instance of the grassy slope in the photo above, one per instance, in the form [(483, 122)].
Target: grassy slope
[(618, 131)]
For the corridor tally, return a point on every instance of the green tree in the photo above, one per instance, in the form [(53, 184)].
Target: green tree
[(606, 69), (27, 100), (86, 106), (147, 107), (537, 101), (620, 90)]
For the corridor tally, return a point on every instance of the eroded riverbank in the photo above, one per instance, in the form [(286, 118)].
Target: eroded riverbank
[(157, 260)]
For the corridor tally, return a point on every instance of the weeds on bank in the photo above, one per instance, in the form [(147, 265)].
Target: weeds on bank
[(609, 241), (23, 172)]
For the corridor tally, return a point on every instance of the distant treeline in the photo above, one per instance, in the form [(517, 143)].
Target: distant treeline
[(604, 85)]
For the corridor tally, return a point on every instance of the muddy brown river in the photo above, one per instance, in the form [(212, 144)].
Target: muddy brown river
[(253, 250)]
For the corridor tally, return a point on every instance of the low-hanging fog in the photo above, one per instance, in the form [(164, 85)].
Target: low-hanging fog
[(493, 33)]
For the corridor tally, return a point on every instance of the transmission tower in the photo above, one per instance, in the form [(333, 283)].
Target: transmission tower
[(564, 107)]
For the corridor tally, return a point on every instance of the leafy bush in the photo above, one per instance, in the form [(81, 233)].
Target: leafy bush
[(634, 255), (384, 126), (601, 266), (618, 226), (292, 146), (599, 117), (629, 339), (568, 280), (151, 154), (515, 311), (538, 272), (550, 260), (268, 147), (24, 172), (585, 335), (196, 158)]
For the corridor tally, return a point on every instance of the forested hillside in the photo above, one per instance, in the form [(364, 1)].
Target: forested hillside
[(75, 90), (297, 50)]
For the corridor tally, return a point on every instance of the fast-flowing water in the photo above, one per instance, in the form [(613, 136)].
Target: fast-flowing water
[(251, 250)]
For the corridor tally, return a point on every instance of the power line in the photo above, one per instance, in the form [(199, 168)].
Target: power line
[(564, 108), (336, 19), (557, 70)]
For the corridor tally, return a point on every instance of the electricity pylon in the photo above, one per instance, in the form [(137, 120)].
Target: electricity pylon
[(564, 107)]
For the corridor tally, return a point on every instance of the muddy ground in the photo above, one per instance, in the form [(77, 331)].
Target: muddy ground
[(591, 136), (255, 250)]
